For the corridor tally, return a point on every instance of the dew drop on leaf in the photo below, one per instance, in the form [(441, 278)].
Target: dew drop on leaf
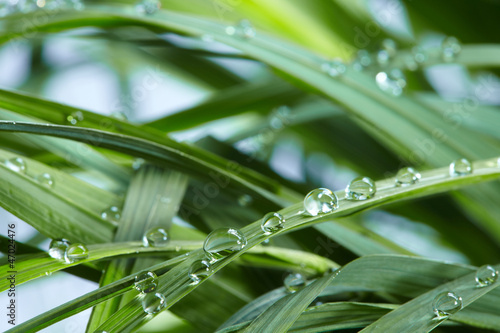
[(486, 275), (199, 270), (320, 201), (154, 303), (407, 176), (361, 188), (222, 242), (16, 164), (58, 247), (446, 304), (272, 222), (146, 282), (155, 237), (460, 167), (294, 282)]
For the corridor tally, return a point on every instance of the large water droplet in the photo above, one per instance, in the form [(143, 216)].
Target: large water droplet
[(446, 304), (76, 252), (147, 7), (112, 214), (320, 201), (450, 48), (75, 117), (146, 282), (391, 82), (294, 282), (45, 179), (334, 68), (272, 222), (407, 176), (222, 242), (154, 303), (16, 164), (243, 29), (486, 275), (58, 247), (360, 188), (155, 237), (460, 167), (199, 270)]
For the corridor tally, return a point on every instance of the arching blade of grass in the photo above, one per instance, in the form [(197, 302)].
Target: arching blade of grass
[(289, 308), (49, 210), (176, 284), (394, 274), (230, 102), (331, 316), (40, 263), (418, 316), (77, 153), (175, 151)]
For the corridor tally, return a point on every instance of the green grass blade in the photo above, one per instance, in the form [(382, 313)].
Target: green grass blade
[(280, 316), (418, 316)]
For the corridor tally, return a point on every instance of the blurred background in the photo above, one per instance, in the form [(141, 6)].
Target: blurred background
[(202, 91)]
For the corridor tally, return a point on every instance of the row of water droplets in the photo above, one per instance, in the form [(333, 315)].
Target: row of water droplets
[(9, 7), (449, 302), (17, 164), (391, 78)]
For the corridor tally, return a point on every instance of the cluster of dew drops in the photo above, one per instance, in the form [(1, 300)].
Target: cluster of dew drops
[(9, 7)]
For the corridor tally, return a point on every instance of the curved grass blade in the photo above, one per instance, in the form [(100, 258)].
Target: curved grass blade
[(176, 283), (74, 152), (331, 316), (418, 316), (281, 315)]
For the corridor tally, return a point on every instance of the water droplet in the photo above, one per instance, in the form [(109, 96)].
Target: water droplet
[(75, 117), (199, 270), (387, 52), (154, 303), (360, 188), (245, 200), (76, 252), (460, 167), (419, 55), (265, 242), (147, 7), (446, 304), (320, 201), (58, 247), (45, 179), (243, 29), (138, 162), (155, 237), (112, 214), (272, 222), (294, 282), (450, 48), (391, 82), (363, 60), (222, 242), (407, 176), (486, 275), (146, 282), (334, 68), (16, 164)]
